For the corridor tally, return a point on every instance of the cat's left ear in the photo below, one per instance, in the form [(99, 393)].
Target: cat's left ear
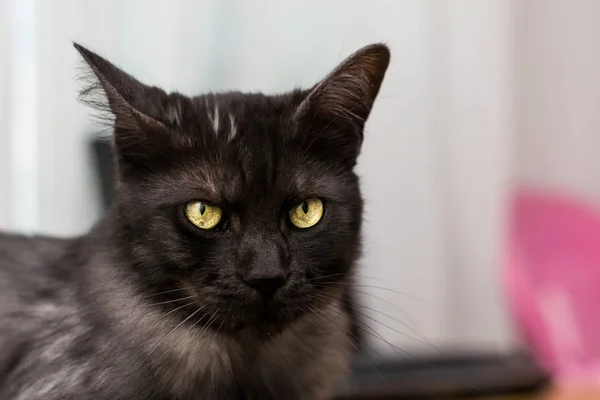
[(341, 103), (135, 111)]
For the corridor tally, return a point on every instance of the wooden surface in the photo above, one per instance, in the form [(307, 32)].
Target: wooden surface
[(551, 394), (583, 394)]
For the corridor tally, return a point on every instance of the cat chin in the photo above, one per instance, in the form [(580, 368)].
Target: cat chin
[(262, 331), (260, 322)]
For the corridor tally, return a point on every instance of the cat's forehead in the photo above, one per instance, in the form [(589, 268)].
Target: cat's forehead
[(220, 114), (268, 178), (233, 116), (245, 144)]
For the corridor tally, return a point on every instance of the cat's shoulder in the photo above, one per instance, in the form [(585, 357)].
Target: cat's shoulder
[(24, 249), (27, 266), (31, 299)]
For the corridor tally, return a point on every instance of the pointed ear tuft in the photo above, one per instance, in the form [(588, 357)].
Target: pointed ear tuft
[(349, 91), (133, 109)]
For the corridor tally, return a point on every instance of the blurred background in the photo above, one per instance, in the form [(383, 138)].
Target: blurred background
[(481, 97)]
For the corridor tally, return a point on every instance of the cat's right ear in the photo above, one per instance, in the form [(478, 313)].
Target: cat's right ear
[(129, 106), (337, 107)]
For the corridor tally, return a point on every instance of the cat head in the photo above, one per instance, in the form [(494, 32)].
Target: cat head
[(243, 206)]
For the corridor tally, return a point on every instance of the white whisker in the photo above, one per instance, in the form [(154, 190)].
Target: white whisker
[(169, 301), (159, 293), (173, 330), (345, 335), (173, 310)]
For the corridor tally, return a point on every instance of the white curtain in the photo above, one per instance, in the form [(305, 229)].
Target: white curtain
[(5, 171), (479, 96), (558, 96)]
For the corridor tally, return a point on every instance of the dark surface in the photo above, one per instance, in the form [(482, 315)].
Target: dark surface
[(452, 376), (103, 158)]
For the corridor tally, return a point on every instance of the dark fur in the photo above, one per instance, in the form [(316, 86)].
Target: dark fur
[(80, 319)]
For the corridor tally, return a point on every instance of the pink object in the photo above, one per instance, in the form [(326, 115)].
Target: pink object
[(552, 278)]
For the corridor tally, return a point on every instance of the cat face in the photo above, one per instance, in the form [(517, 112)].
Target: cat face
[(243, 210)]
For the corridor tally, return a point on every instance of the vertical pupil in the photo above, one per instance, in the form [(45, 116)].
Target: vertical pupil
[(305, 207), (202, 208)]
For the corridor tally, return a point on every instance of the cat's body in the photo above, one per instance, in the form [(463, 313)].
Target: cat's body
[(151, 306), (63, 336)]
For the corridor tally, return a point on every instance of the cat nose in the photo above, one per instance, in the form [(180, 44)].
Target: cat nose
[(266, 280)]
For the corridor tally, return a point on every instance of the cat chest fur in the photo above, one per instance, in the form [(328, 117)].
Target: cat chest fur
[(300, 362)]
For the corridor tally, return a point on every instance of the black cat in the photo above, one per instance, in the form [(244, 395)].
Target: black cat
[(220, 271)]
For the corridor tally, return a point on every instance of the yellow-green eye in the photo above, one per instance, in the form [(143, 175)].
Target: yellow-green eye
[(307, 213), (203, 215)]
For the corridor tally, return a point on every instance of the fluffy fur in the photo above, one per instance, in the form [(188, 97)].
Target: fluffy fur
[(147, 306)]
